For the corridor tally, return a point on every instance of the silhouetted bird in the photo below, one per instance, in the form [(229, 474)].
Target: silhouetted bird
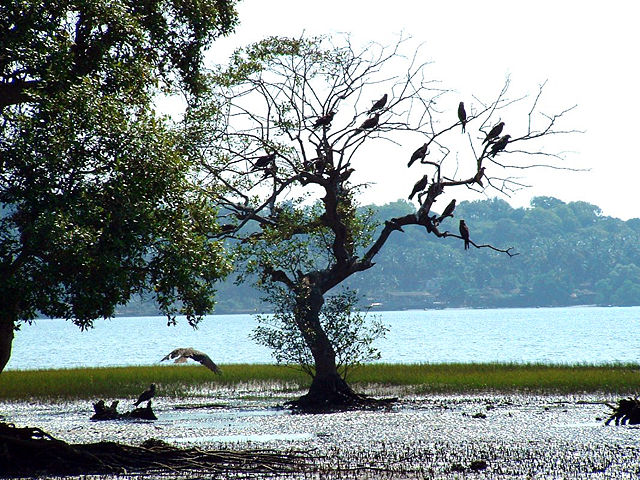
[(324, 120), (369, 123), (146, 395), (182, 354), (462, 116), (478, 177), (264, 161), (448, 211), (419, 186), (379, 104), (499, 145), (464, 233), (419, 154), (494, 132)]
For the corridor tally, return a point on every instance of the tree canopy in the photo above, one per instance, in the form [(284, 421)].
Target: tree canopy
[(96, 193)]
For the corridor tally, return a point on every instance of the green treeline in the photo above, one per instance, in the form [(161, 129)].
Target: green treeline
[(568, 254)]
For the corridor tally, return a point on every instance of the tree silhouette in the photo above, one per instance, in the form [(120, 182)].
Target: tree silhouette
[(296, 221)]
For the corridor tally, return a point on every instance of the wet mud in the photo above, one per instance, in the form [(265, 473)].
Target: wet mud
[(443, 436)]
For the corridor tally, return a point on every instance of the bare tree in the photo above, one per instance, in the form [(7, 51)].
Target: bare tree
[(288, 125)]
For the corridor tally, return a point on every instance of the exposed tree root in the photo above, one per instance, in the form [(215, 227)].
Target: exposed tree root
[(627, 411), (331, 394), (32, 452)]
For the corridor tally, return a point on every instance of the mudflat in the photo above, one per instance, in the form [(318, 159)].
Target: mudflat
[(493, 435)]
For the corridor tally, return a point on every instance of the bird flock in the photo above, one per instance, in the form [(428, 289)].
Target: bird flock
[(494, 140)]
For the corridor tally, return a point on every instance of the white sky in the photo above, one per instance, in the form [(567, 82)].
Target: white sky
[(588, 54)]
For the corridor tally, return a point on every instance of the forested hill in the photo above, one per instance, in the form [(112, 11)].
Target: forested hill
[(569, 254)]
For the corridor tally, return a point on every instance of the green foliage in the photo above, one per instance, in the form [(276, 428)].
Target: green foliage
[(97, 199), (350, 332)]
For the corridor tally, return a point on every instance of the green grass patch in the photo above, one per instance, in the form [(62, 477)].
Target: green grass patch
[(178, 381)]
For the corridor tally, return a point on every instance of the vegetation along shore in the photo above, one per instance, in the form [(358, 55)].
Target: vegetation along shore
[(178, 381)]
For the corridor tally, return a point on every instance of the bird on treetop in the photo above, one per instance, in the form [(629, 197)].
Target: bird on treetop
[(494, 132), (462, 116), (448, 211), (146, 395), (499, 145), (324, 120), (419, 154), (369, 123), (478, 178), (264, 160), (419, 186), (464, 233), (379, 104)]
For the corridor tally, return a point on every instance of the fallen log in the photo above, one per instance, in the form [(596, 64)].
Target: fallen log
[(102, 412)]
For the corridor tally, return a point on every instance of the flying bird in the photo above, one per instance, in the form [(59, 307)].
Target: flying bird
[(182, 354), (419, 154), (464, 233), (448, 211), (499, 145), (264, 161), (146, 395), (462, 116), (369, 123), (324, 120), (494, 132), (379, 104), (419, 186)]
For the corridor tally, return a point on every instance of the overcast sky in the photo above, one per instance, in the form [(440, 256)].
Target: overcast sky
[(588, 55)]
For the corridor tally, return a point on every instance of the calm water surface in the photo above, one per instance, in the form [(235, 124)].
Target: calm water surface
[(546, 335)]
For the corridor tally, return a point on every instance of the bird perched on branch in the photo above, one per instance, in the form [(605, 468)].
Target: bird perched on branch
[(494, 132), (182, 354), (478, 178), (379, 104), (146, 395), (464, 233), (499, 145), (264, 161), (462, 116), (419, 154), (369, 123), (324, 120), (448, 211), (419, 186)]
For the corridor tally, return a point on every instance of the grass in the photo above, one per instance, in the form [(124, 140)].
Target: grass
[(178, 381)]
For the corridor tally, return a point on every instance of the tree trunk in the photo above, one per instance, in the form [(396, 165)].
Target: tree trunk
[(328, 389), (7, 325)]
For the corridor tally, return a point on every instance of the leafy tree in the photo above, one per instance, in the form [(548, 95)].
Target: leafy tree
[(288, 125), (347, 329), (96, 195)]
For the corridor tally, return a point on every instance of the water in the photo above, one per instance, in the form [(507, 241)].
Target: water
[(545, 335)]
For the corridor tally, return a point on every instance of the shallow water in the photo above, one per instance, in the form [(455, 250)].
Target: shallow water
[(521, 436)]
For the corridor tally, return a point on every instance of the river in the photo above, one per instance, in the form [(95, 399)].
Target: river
[(593, 335)]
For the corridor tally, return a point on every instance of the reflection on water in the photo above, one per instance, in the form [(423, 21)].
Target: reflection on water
[(545, 335)]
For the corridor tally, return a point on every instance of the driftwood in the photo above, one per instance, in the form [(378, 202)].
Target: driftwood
[(31, 452), (627, 411), (111, 412)]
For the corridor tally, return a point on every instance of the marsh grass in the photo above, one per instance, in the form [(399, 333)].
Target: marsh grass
[(178, 381)]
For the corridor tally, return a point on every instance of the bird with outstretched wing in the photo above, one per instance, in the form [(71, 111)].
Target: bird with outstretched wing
[(182, 354)]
